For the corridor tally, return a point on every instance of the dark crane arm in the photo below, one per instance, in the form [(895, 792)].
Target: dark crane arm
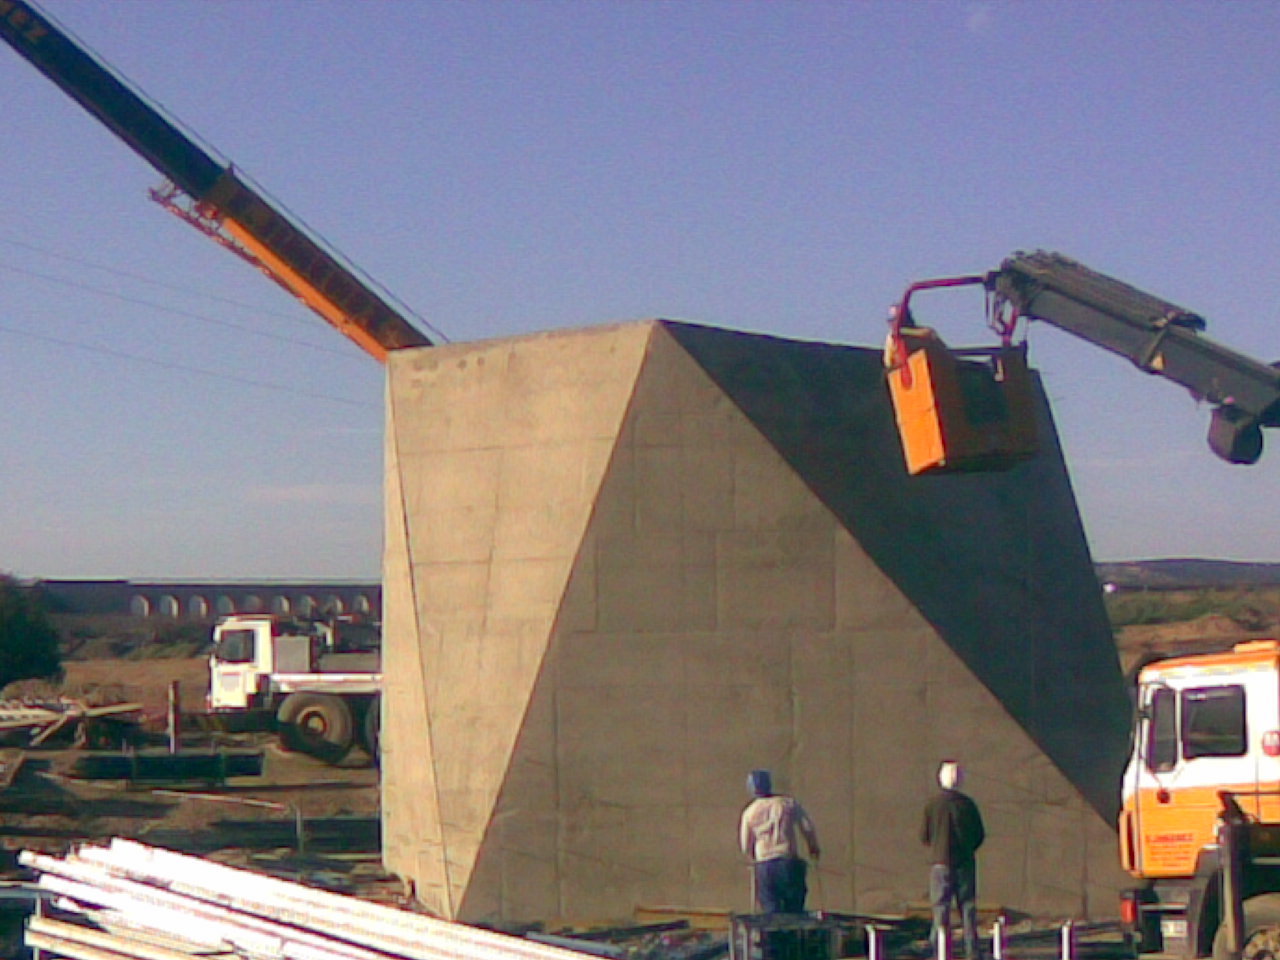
[(1158, 337), (220, 202)]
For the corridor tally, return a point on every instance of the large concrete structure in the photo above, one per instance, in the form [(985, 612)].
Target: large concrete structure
[(625, 565)]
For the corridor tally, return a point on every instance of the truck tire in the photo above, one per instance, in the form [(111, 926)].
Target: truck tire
[(317, 724), (373, 728), (1261, 930)]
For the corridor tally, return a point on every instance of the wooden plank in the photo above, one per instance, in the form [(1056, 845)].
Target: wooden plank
[(51, 729), (110, 710), (20, 720), (11, 761), (700, 918)]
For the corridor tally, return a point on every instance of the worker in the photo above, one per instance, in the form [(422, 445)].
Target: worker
[(767, 835), (953, 832), (905, 338)]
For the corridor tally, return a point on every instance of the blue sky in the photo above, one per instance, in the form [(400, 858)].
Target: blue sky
[(781, 167)]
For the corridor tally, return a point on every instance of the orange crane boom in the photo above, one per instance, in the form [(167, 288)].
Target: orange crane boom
[(210, 194)]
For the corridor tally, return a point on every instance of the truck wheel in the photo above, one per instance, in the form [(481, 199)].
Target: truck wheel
[(373, 728), (1261, 939), (317, 724)]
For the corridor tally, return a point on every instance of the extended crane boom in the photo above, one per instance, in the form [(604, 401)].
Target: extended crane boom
[(955, 415), (219, 202), (1158, 337)]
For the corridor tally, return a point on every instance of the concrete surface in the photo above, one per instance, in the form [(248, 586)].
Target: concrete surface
[(624, 565)]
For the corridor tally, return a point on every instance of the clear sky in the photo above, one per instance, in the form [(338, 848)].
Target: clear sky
[(783, 167)]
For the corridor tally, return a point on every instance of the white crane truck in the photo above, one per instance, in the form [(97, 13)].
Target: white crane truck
[(317, 683)]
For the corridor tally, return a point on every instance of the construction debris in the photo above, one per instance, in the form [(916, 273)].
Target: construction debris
[(131, 900), (676, 940), (40, 721), (11, 761)]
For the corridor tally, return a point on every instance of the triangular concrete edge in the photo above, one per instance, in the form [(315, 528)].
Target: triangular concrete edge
[(412, 845), (522, 872), (468, 736)]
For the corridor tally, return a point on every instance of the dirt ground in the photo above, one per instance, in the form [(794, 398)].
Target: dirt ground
[(248, 820), (1139, 644), (143, 680), (252, 821), (48, 809)]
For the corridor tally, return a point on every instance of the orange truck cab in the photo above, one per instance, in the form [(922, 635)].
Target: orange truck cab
[(1205, 725)]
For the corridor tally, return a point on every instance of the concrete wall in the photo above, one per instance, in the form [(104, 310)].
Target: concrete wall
[(624, 565)]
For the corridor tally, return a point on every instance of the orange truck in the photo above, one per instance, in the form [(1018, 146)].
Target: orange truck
[(1200, 805)]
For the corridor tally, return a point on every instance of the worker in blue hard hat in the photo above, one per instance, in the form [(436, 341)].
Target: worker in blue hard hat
[(768, 834)]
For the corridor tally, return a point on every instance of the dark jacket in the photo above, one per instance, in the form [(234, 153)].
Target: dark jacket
[(952, 828)]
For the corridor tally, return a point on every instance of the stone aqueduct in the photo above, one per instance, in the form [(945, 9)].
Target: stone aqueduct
[(204, 600)]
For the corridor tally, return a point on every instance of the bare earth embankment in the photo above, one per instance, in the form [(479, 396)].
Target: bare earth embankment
[(246, 820)]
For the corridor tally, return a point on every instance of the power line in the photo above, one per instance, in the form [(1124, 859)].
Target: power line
[(149, 281), (204, 318), (184, 368), (440, 335)]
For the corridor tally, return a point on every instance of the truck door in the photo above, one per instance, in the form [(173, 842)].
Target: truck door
[(233, 669), (1195, 743), (1155, 758), (1215, 742)]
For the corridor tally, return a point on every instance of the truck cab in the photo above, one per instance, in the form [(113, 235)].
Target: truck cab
[(316, 683), (249, 649), (1205, 725)]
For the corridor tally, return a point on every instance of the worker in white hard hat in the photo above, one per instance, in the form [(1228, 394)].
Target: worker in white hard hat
[(905, 337), (953, 831)]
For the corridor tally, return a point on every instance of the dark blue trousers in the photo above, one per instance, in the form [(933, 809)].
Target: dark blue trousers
[(780, 886), (959, 885)]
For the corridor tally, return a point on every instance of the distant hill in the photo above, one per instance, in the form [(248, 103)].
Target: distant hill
[(1188, 574)]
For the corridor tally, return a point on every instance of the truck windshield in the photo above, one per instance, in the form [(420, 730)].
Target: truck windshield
[(1213, 722), (234, 646)]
